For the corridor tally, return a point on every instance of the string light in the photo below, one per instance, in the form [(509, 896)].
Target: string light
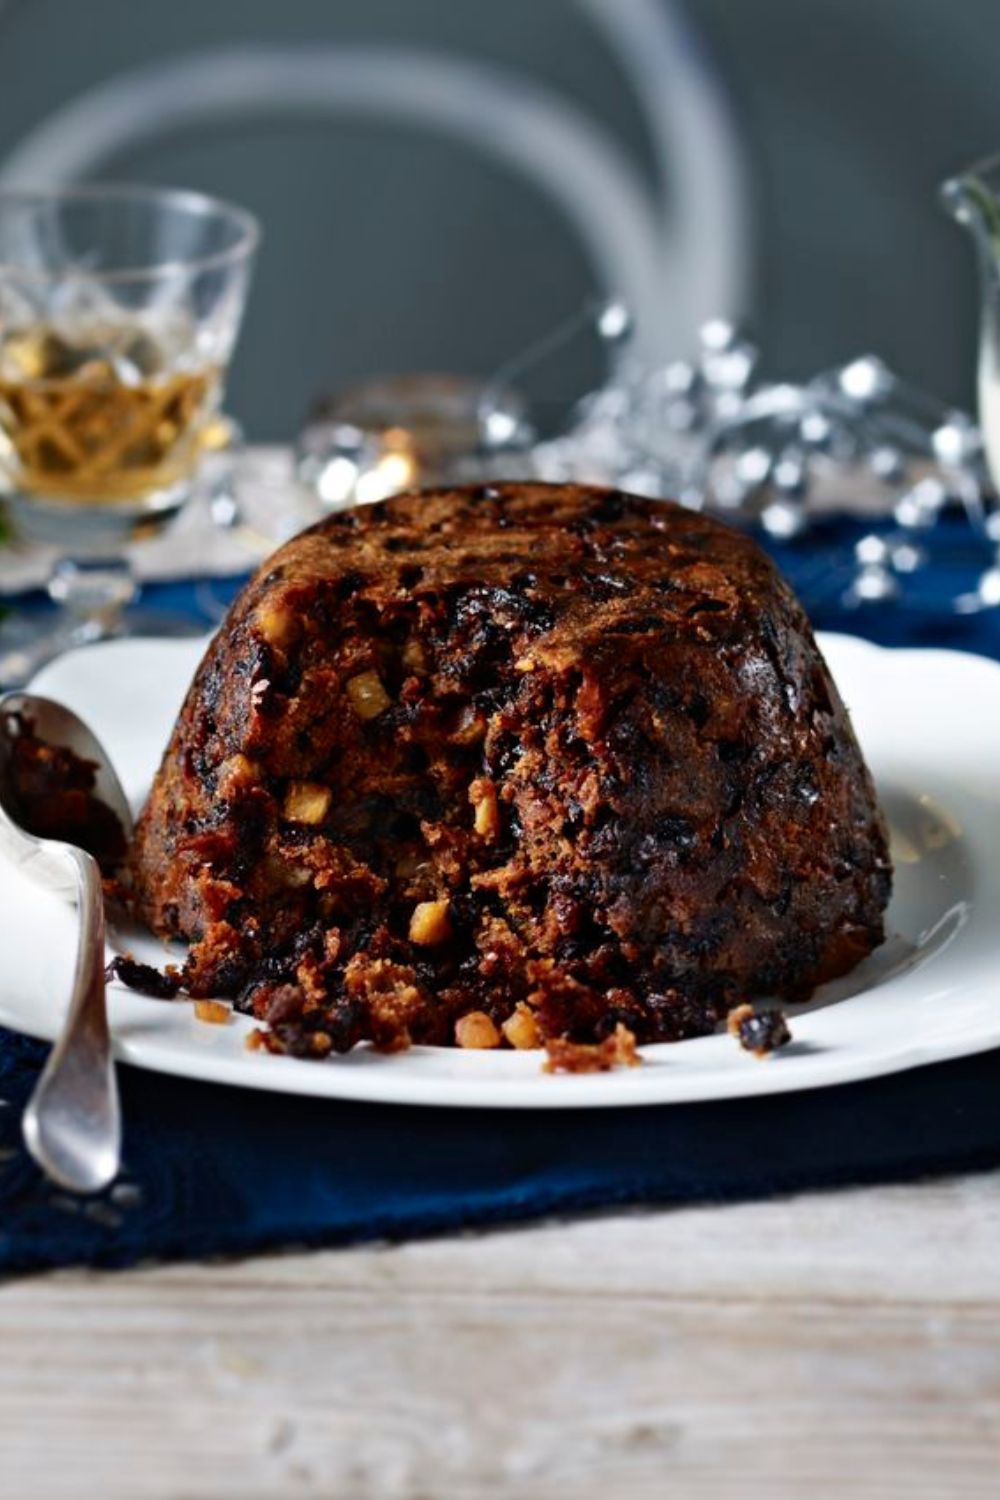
[(708, 431)]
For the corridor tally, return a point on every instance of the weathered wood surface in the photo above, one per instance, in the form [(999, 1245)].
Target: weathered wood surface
[(826, 1345)]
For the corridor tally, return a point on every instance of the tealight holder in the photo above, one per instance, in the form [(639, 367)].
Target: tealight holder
[(382, 436)]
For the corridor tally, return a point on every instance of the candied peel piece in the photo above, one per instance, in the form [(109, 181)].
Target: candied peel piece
[(486, 815), (279, 625), (237, 774), (521, 1028), (367, 695), (616, 1051), (476, 1030), (430, 923), (214, 1012), (306, 802)]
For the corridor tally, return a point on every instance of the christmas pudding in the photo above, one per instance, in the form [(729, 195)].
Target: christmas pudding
[(504, 764)]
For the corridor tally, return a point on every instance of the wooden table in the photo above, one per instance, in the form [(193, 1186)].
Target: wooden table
[(827, 1345)]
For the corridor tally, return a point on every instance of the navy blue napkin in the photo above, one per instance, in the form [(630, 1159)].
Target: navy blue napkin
[(216, 1170), (210, 1169)]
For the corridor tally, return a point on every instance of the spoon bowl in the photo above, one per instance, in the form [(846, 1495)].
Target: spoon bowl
[(72, 1125)]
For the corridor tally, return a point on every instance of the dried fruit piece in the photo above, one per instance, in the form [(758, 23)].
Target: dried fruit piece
[(368, 697), (476, 1030), (759, 1032), (470, 729), (143, 978), (413, 864)]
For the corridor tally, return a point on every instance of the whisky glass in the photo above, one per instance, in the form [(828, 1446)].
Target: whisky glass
[(119, 310)]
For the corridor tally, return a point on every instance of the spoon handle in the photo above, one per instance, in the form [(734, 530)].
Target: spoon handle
[(72, 1125)]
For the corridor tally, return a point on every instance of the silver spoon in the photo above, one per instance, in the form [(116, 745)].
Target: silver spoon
[(72, 1125)]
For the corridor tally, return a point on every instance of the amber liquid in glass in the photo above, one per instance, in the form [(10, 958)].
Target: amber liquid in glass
[(102, 419)]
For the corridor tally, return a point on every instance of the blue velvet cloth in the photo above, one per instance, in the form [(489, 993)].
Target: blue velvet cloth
[(217, 1170)]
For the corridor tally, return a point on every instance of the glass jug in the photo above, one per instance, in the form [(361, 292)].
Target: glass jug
[(973, 198)]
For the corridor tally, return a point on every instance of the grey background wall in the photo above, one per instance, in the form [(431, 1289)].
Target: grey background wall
[(392, 249)]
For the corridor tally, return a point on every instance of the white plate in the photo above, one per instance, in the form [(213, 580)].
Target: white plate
[(929, 722)]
